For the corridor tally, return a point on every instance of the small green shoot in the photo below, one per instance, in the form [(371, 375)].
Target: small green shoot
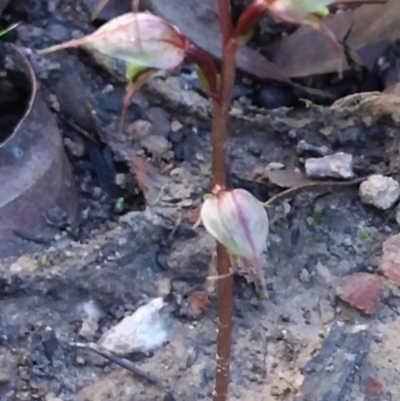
[(119, 205), (317, 220), (9, 29), (364, 233)]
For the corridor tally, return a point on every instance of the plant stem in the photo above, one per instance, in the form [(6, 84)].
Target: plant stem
[(248, 19), (221, 106), (224, 336), (207, 67), (225, 19)]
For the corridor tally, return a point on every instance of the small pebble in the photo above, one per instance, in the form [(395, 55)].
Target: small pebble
[(274, 166), (160, 119), (80, 360), (176, 126), (76, 148), (398, 214), (88, 329), (92, 310), (57, 32), (122, 241), (52, 397), (272, 97), (305, 276), (97, 192), (146, 329), (305, 148), (326, 311), (85, 213), (379, 191), (163, 287), (361, 291), (253, 148), (139, 129), (347, 241), (24, 264), (120, 180), (5, 376), (155, 144), (338, 165), (324, 273)]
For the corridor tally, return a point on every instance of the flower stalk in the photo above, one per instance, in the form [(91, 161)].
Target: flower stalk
[(221, 108)]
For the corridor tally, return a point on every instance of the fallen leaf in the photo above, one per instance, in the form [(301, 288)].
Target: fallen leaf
[(197, 304), (369, 54), (308, 52), (371, 26), (150, 181), (374, 23), (287, 178), (361, 291), (105, 10)]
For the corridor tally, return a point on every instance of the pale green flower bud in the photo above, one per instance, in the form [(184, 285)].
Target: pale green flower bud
[(305, 12), (296, 10), (141, 39), (237, 220)]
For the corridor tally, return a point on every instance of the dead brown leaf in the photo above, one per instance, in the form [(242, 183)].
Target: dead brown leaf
[(150, 181), (107, 9), (197, 304), (308, 52), (287, 178), (374, 23)]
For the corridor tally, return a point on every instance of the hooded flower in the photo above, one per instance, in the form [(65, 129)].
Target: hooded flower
[(297, 11), (305, 12), (237, 220), (140, 39)]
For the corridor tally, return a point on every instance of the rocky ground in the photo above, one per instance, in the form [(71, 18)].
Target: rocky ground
[(330, 328)]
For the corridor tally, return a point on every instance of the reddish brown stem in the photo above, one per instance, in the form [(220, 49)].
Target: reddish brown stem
[(224, 336), (221, 106), (207, 66), (248, 19), (225, 19)]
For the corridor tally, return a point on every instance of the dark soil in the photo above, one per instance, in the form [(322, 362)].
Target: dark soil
[(122, 253)]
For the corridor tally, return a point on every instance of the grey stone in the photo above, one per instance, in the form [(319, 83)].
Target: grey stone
[(398, 214), (338, 165), (379, 191), (143, 331), (155, 144), (328, 372), (88, 329), (326, 311), (303, 147)]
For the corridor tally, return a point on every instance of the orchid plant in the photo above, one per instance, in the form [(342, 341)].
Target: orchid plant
[(235, 218)]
